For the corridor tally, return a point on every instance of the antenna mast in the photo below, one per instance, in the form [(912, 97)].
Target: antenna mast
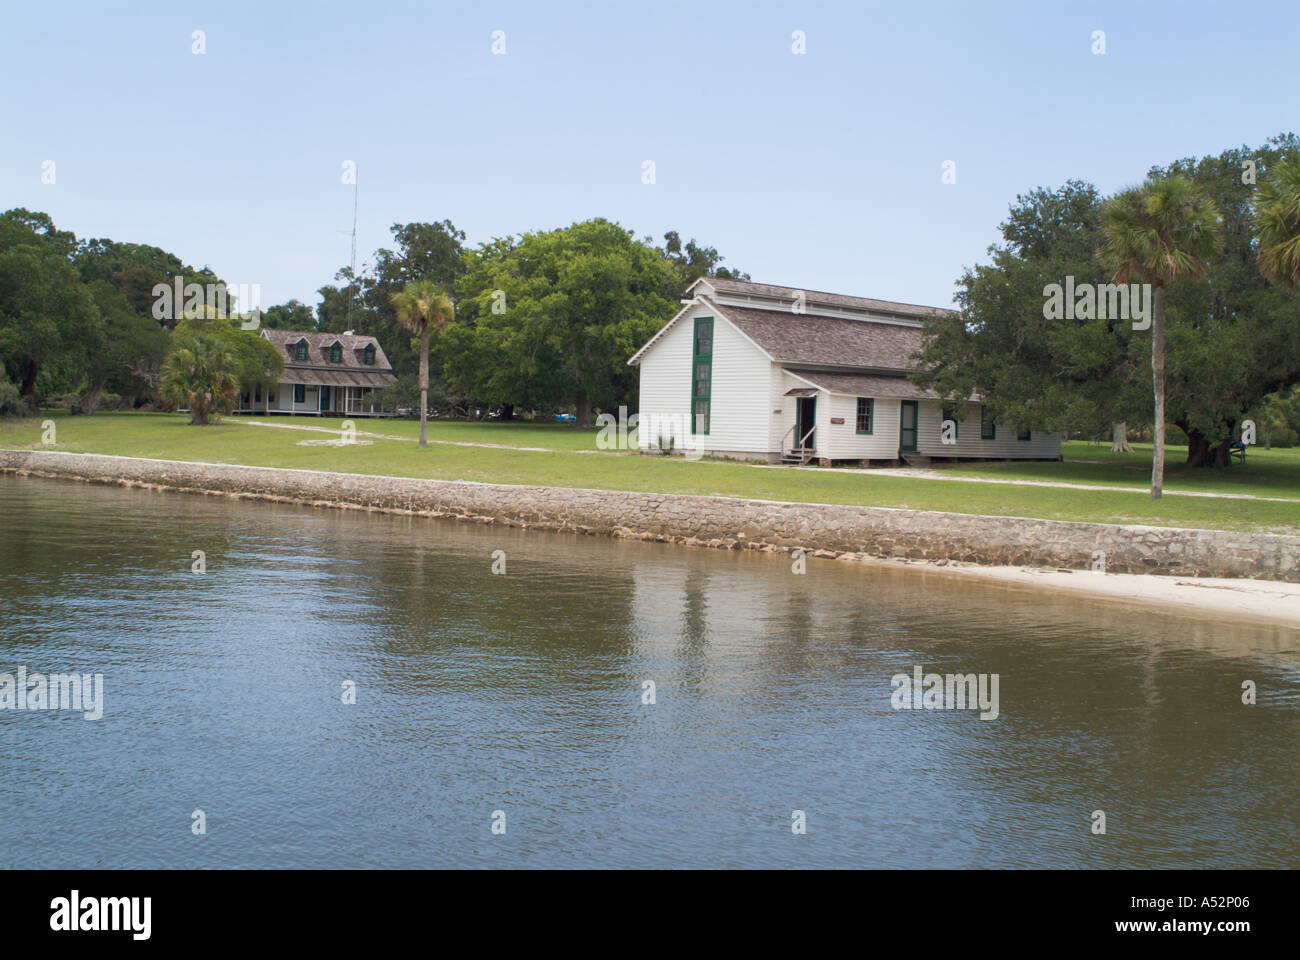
[(352, 263)]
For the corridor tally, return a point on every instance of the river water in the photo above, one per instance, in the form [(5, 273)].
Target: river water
[(517, 699)]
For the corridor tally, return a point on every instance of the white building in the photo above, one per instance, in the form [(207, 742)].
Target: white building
[(325, 374), (756, 371)]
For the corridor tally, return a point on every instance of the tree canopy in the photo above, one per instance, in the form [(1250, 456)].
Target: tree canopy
[(551, 317)]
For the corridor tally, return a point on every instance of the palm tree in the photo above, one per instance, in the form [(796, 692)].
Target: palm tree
[(1277, 224), (419, 304), (198, 374), (1162, 231)]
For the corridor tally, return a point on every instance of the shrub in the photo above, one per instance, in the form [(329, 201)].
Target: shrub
[(11, 401)]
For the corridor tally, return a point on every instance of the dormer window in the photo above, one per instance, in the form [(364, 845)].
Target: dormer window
[(300, 351), (336, 352), (368, 355)]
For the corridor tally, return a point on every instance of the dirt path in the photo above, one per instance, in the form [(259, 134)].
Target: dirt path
[(390, 436), (921, 473)]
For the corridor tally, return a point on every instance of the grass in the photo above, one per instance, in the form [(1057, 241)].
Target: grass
[(571, 459), (1266, 473)]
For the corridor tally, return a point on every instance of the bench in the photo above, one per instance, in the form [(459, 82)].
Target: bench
[(1237, 450)]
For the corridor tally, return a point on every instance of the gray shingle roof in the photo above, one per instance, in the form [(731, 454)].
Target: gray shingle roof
[(318, 352), (865, 384), (805, 338), (747, 288), (337, 378)]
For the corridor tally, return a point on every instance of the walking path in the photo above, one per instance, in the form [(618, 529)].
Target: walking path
[(921, 473), (390, 436)]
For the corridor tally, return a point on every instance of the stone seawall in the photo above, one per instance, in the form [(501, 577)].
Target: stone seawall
[(824, 530)]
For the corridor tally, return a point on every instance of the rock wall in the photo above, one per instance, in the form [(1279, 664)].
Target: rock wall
[(820, 529)]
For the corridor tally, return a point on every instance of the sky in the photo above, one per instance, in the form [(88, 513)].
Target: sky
[(821, 170)]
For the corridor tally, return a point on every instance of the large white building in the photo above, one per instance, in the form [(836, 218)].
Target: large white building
[(757, 371)]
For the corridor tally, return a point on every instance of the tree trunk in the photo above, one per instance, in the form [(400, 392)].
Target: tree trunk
[(1119, 437), (507, 411), (424, 384), (28, 387), (1267, 430), (1198, 449), (90, 402), (584, 411), (1158, 375)]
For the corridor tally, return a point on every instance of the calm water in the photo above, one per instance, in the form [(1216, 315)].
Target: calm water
[(522, 693)]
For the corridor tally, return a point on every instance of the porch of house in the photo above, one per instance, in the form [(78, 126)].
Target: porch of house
[(799, 444), (313, 400)]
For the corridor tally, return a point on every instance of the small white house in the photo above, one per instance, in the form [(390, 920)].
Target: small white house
[(325, 374), (755, 371)]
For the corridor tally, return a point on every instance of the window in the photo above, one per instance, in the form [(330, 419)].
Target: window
[(950, 413), (300, 354), (702, 375), (988, 429), (368, 355), (299, 393), (1022, 435), (866, 407), (257, 393), (336, 353), (270, 395)]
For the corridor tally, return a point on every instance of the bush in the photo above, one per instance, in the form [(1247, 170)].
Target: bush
[(1280, 437), (11, 401)]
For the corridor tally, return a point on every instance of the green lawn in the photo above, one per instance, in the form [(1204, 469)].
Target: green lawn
[(573, 460), (1266, 473)]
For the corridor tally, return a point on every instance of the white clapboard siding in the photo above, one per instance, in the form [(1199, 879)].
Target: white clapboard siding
[(284, 399), (841, 441), (665, 397), (781, 409), (741, 378), (1004, 446)]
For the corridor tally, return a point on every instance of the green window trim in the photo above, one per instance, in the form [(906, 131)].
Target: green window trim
[(950, 413), (368, 355), (299, 393), (866, 414), (702, 376), (988, 427), (336, 353), (1024, 436), (300, 352)]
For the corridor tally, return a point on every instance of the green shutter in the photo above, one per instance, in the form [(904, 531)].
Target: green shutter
[(702, 376)]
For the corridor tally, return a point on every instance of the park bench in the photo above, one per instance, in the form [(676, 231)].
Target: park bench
[(1237, 450)]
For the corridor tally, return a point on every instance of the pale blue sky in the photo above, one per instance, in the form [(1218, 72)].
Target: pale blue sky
[(820, 171)]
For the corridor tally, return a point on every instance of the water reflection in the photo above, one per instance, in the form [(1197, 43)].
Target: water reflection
[(523, 692)]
